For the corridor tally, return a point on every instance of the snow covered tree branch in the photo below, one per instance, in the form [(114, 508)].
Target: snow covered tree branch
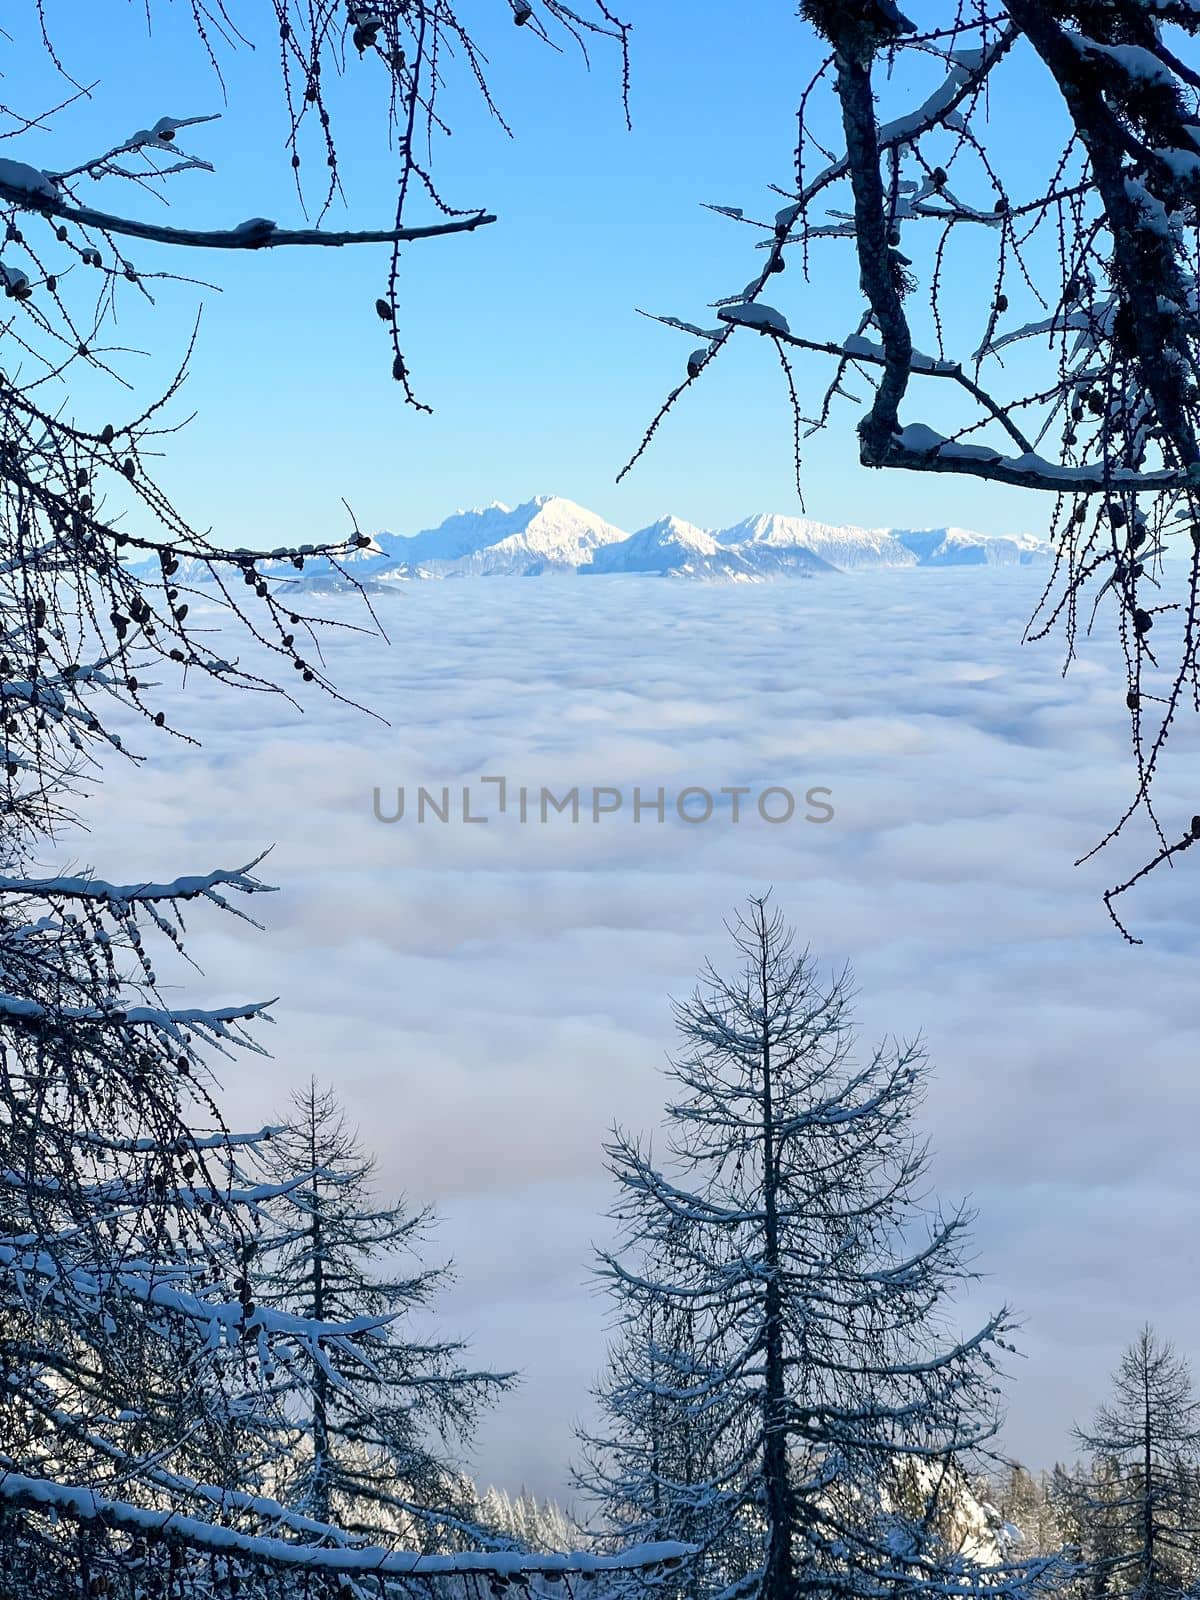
[(1087, 249), (29, 189)]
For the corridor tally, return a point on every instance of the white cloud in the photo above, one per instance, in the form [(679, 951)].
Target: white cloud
[(488, 999)]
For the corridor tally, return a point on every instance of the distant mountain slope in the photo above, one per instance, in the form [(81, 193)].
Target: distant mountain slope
[(671, 547), (546, 534), (958, 547), (550, 534), (847, 548)]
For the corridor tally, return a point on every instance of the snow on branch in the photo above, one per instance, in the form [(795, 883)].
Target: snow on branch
[(86, 1505), (923, 449), (1092, 288), (124, 895), (216, 1021), (257, 233)]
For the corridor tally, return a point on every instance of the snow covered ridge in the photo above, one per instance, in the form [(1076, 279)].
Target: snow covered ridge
[(550, 535)]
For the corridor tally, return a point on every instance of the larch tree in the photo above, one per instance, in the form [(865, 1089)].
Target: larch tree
[(369, 1425), (1137, 1507), (1026, 307), (126, 1205), (823, 1390)]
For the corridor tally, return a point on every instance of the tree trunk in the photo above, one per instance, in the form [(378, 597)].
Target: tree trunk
[(320, 1387), (1148, 1528), (778, 1575)]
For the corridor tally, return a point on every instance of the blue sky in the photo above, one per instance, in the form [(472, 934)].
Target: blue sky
[(524, 337)]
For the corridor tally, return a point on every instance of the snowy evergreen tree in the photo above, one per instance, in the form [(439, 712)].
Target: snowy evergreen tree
[(1029, 1504), (822, 1392), (372, 1416), (1137, 1507), (531, 1524)]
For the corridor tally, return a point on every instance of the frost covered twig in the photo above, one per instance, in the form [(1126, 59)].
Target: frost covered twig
[(1096, 239)]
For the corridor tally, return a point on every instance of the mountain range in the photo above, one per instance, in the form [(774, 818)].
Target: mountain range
[(549, 535)]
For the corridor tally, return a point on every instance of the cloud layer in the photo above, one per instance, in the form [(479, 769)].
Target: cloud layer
[(488, 999)]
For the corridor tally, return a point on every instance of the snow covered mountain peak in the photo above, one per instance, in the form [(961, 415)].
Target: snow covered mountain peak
[(681, 532), (671, 547), (847, 547), (547, 533), (959, 547), (562, 531)]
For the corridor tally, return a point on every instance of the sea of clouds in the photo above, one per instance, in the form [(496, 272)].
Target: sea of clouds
[(488, 999)]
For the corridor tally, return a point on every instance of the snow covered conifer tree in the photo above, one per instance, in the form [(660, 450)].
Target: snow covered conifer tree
[(372, 1416), (1137, 1507), (530, 1523), (1029, 1503), (822, 1389)]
